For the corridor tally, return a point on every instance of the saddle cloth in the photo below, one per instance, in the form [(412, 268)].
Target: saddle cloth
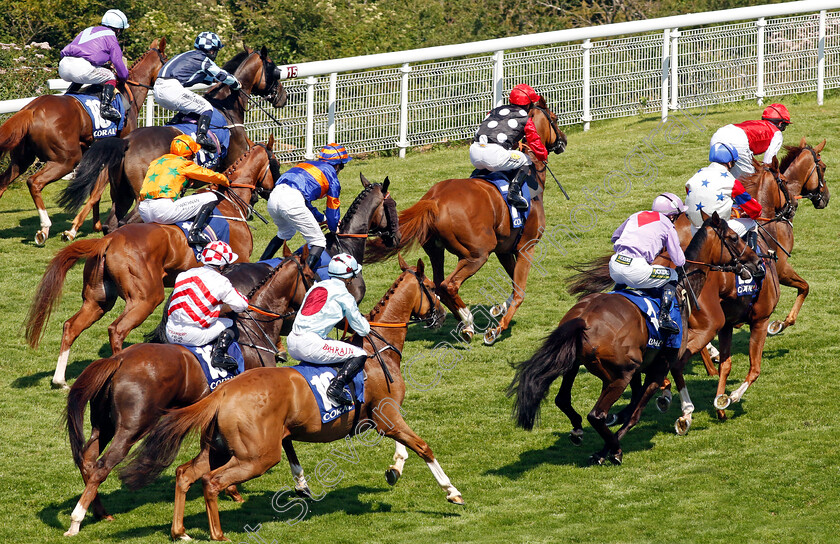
[(187, 125), (214, 375), (750, 287), (318, 377), (648, 302), (501, 181), (216, 229), (102, 128)]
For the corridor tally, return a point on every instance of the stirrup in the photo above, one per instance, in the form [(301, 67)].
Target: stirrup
[(205, 142), (517, 201), (197, 239), (340, 400)]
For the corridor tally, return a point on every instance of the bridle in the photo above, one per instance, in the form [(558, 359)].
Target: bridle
[(557, 146), (815, 197), (257, 186), (734, 265)]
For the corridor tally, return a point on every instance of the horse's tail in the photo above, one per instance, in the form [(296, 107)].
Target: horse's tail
[(591, 277), (14, 130), (557, 356), (99, 165), (48, 293), (163, 442), (90, 384), (416, 225), (158, 335)]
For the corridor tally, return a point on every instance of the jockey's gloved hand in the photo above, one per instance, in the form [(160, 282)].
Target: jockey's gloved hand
[(236, 85)]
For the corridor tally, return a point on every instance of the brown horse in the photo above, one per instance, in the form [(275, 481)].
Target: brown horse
[(123, 163), (124, 403), (470, 218), (56, 130), (137, 261), (607, 334)]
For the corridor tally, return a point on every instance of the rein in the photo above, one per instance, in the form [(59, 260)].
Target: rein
[(820, 176)]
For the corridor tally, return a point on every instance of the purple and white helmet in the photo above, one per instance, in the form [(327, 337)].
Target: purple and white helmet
[(668, 204)]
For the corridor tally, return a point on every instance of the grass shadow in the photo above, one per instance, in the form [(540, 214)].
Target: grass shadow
[(73, 370)]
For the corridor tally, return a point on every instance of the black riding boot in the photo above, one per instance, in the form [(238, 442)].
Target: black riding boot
[(272, 247), (106, 110), (73, 88), (752, 240), (219, 358), (196, 237), (666, 324), (201, 137), (514, 196), (335, 391), (314, 257)]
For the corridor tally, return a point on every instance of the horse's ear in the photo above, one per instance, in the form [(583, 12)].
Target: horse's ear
[(715, 219), (802, 142), (820, 147), (365, 182), (385, 185), (403, 264), (263, 52), (775, 164), (421, 267), (162, 44), (270, 143), (288, 252)]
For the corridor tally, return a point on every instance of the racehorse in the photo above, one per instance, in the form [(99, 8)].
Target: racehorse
[(137, 261), (608, 335), (241, 438), (123, 163), (57, 129), (470, 218), (128, 392)]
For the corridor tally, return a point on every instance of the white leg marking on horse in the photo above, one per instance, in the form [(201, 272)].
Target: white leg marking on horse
[(738, 393), (61, 367), (713, 351), (443, 480), (685, 401), (466, 317), (297, 474), (400, 455), (45, 219), (76, 520)]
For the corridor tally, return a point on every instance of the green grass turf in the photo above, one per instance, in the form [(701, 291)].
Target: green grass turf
[(768, 474)]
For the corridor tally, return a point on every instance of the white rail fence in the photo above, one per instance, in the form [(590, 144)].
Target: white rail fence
[(415, 98)]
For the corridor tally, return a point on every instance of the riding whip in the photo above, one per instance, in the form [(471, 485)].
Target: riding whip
[(764, 231), (558, 182), (260, 107), (691, 294), (239, 199), (379, 356)]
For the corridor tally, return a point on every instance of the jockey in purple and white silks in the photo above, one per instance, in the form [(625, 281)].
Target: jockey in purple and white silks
[(325, 304), (186, 70), (82, 61), (638, 241)]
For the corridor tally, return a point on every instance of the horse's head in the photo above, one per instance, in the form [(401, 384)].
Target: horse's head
[(803, 166), (373, 212), (255, 171), (716, 244), (427, 306), (545, 120), (260, 76)]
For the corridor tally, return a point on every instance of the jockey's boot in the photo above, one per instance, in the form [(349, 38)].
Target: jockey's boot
[(201, 137), (752, 239), (272, 247), (335, 391), (106, 110), (219, 357), (73, 88), (314, 257), (196, 237), (666, 324), (514, 196)]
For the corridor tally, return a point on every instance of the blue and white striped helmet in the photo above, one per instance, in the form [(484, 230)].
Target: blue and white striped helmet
[(207, 41), (722, 153)]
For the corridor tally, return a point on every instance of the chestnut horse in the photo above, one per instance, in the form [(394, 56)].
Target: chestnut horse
[(470, 218), (137, 261), (128, 392), (57, 129), (241, 437), (123, 163), (608, 335)]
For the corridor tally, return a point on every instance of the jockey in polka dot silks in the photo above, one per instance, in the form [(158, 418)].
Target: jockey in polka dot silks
[(290, 203), (186, 70), (638, 241), (193, 313), (325, 304), (82, 61), (494, 147), (715, 189), (755, 137), (168, 176)]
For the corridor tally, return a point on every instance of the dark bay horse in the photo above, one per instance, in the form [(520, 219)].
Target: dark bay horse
[(607, 334), (123, 163), (137, 261), (56, 130), (128, 392), (252, 432), (470, 218)]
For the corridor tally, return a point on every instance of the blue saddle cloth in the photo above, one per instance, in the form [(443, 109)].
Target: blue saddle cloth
[(187, 125), (648, 302), (214, 375), (502, 182), (102, 128), (750, 287), (216, 229), (318, 377)]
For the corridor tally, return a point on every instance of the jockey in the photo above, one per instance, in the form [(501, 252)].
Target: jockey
[(290, 203), (638, 241), (82, 61), (167, 179), (193, 313), (493, 146), (186, 70), (755, 137), (714, 189), (325, 304)]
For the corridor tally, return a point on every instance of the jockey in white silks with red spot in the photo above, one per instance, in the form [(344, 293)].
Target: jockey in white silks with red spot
[(325, 304), (638, 241), (193, 313), (754, 138)]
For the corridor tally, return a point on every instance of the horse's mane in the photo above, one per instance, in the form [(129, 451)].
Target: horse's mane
[(232, 168), (751, 182), (355, 206), (793, 152), (699, 239), (386, 296), (146, 54), (267, 277), (233, 64)]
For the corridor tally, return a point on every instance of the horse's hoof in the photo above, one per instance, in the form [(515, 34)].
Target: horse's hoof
[(611, 420), (682, 425), (467, 334), (457, 499), (73, 530), (491, 336), (304, 492), (616, 458), (663, 402), (576, 437), (722, 401), (498, 309), (721, 415), (182, 536), (391, 476), (775, 327), (281, 357), (59, 385), (68, 236), (235, 496), (41, 238)]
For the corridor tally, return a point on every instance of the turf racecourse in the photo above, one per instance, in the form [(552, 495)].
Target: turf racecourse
[(768, 474)]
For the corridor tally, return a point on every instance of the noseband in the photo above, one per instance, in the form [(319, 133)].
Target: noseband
[(815, 197), (557, 143)]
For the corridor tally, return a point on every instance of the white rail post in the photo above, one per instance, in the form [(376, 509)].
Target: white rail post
[(331, 108), (498, 79), (759, 72), (309, 152), (675, 65), (665, 48), (587, 84), (403, 143), (821, 60), (150, 109)]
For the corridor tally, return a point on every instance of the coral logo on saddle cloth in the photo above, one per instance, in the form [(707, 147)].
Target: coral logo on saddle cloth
[(216, 376), (102, 128), (318, 377), (648, 303)]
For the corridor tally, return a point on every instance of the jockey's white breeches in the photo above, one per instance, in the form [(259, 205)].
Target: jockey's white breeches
[(170, 94), (638, 273), (79, 70), (287, 208), (168, 211), (496, 158), (312, 348), (196, 335)]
